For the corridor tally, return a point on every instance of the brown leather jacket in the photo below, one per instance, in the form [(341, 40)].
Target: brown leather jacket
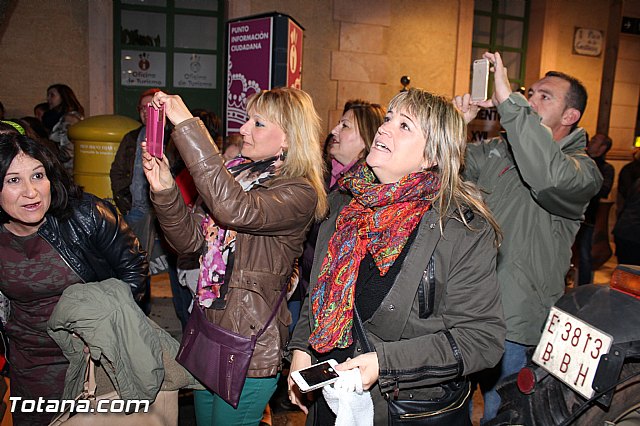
[(272, 222)]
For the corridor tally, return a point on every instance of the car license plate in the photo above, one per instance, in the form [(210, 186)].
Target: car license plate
[(570, 349)]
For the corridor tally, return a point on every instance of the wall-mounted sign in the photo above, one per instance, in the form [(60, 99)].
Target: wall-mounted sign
[(265, 51), (485, 126), (194, 70), (294, 62), (141, 68), (630, 25), (249, 65), (587, 42)]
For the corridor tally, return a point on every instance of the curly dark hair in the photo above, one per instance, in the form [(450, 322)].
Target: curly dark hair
[(62, 186)]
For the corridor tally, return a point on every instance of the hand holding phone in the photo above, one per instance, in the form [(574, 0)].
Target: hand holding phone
[(155, 130), (480, 80), (316, 376)]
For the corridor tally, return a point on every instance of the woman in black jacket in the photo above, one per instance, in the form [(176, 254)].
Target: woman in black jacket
[(52, 236)]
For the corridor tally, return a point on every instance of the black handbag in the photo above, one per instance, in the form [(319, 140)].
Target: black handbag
[(452, 409), (217, 357)]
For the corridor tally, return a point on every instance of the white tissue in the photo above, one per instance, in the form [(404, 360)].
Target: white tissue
[(351, 405), (349, 381)]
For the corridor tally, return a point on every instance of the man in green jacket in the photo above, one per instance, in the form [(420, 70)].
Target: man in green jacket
[(537, 180)]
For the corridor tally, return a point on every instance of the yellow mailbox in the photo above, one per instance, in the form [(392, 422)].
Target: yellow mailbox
[(96, 140)]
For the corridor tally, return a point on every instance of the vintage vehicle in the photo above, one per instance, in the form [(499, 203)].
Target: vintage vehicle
[(586, 368)]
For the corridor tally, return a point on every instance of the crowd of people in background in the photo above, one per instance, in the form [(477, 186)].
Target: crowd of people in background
[(394, 203)]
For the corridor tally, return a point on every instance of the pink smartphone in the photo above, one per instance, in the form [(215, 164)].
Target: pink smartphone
[(155, 130)]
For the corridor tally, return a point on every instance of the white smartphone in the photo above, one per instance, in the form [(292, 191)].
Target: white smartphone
[(480, 80), (316, 376)]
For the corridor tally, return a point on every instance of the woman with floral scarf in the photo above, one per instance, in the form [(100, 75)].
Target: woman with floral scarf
[(410, 248), (256, 212)]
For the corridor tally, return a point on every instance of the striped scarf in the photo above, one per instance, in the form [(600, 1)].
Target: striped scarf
[(379, 220)]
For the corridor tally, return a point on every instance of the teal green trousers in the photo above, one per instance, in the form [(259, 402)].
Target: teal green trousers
[(211, 410)]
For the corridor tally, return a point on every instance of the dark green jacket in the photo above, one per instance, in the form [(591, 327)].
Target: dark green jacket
[(538, 190), (417, 353), (139, 356)]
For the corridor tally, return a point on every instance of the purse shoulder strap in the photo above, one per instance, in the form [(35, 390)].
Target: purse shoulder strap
[(359, 329), (283, 292), (90, 383)]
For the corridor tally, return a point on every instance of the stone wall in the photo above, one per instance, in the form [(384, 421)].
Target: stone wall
[(551, 48), (361, 49), (43, 43)]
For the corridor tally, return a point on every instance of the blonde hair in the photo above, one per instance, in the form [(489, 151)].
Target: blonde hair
[(293, 111), (446, 134)]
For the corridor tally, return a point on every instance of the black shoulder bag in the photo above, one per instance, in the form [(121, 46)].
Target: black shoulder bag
[(450, 410)]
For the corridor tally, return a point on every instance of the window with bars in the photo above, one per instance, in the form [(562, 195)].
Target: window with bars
[(502, 26), (175, 45)]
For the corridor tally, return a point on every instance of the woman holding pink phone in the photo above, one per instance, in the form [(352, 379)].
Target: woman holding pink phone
[(255, 214)]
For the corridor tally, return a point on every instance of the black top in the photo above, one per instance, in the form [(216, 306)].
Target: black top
[(371, 289)]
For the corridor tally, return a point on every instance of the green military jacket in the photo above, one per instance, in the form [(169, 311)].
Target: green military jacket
[(137, 355), (538, 190), (464, 334)]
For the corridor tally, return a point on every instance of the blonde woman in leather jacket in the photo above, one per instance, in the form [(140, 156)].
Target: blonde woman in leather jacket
[(260, 207)]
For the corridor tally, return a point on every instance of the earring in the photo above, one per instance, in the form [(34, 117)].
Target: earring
[(283, 155), (429, 167)]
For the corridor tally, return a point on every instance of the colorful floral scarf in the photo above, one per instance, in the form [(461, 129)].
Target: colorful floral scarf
[(379, 220), (221, 242)]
